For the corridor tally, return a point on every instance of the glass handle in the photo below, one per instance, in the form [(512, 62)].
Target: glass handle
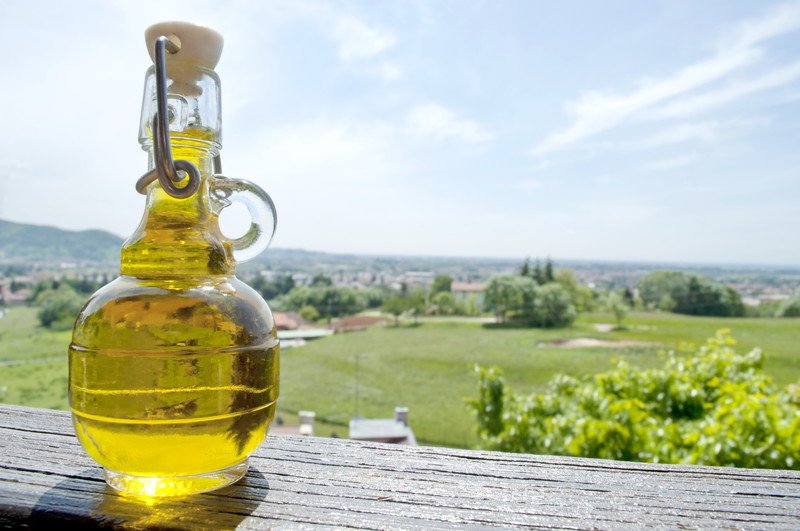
[(263, 216)]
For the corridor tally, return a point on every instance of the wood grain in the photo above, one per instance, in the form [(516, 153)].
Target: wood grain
[(296, 482)]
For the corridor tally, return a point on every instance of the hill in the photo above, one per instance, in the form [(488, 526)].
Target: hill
[(38, 243)]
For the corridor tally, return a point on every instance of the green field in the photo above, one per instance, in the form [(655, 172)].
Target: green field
[(426, 367)]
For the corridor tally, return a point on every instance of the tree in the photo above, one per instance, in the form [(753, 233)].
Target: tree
[(616, 304), (503, 295), (16, 285), (272, 289), (329, 301), (444, 303), (396, 306), (710, 405), (552, 307), (538, 274), (521, 298), (789, 308), (416, 303), (691, 294), (627, 296), (548, 271), (320, 280), (582, 295), (441, 283), (525, 270), (58, 308), (309, 313)]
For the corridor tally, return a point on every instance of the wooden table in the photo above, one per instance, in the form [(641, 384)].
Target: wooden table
[(46, 480)]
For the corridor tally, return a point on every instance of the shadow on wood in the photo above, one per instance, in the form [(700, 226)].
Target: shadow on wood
[(87, 501)]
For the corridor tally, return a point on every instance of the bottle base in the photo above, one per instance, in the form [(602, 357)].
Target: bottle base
[(157, 487)]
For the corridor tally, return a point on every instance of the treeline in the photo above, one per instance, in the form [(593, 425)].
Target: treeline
[(320, 299), (688, 294)]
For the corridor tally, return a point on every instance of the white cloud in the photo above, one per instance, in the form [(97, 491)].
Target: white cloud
[(357, 40), (440, 123), (671, 163), (595, 112), (735, 90), (780, 19), (682, 133)]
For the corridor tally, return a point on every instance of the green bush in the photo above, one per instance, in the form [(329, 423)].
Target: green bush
[(789, 308), (708, 406), (552, 307), (329, 301), (523, 299), (689, 294), (58, 308)]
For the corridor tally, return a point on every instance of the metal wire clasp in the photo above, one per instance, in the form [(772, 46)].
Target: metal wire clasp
[(166, 170)]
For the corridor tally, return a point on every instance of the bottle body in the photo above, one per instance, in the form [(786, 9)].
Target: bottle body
[(174, 366), (172, 385)]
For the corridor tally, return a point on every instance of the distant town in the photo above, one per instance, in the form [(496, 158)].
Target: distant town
[(756, 284)]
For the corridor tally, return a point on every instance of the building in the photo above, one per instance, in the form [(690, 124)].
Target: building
[(357, 322), (289, 321), (394, 431), (306, 426), (462, 291)]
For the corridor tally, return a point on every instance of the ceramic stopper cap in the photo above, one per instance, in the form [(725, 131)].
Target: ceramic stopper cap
[(199, 45)]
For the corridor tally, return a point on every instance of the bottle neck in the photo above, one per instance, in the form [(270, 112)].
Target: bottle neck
[(162, 207), (179, 238)]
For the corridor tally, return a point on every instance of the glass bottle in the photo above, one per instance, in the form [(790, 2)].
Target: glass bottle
[(173, 366)]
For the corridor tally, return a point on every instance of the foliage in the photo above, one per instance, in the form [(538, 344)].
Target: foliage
[(443, 303), (525, 268), (410, 302), (523, 299), (395, 306), (552, 307), (441, 283), (329, 301), (582, 295), (373, 297), (58, 308), (548, 274), (789, 308), (691, 294), (309, 313), (416, 303), (708, 406), (504, 294), (617, 305), (320, 280), (274, 288)]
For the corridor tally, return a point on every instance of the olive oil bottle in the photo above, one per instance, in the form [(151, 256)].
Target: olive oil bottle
[(173, 366)]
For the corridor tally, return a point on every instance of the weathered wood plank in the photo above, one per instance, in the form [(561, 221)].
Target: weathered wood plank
[(304, 482)]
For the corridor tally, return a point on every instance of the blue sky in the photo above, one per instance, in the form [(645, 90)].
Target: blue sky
[(654, 131)]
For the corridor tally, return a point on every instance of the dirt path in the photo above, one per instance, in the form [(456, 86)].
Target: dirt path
[(588, 342)]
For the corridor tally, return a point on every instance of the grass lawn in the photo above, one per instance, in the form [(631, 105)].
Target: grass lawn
[(33, 361), (429, 367), (426, 367)]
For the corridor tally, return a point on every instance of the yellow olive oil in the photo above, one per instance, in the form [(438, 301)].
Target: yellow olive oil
[(174, 365)]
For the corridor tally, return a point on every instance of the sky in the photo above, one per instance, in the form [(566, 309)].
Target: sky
[(663, 131)]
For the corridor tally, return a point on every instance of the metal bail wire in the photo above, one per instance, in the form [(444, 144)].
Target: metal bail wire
[(166, 170)]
